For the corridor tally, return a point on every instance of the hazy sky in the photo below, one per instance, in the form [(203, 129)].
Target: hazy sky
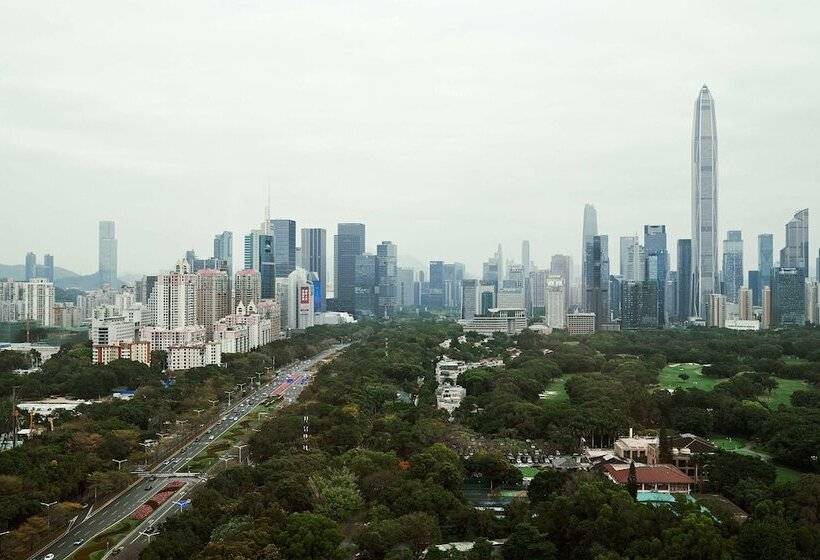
[(447, 127)]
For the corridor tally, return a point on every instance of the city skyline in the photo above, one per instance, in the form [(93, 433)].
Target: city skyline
[(449, 150)]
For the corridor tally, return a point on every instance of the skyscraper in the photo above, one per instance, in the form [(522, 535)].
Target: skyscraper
[(732, 265), (213, 298), (525, 257), (597, 280), (314, 259), (223, 249), (107, 253), (684, 279), (31, 266), (284, 246), (765, 262), (247, 287), (788, 297), (704, 203), (387, 280), (632, 258), (795, 254), (589, 232), (657, 264), (639, 304), (555, 311), (562, 266), (436, 297), (348, 243), (48, 267)]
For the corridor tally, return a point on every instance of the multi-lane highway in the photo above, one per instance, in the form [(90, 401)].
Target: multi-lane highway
[(287, 382)]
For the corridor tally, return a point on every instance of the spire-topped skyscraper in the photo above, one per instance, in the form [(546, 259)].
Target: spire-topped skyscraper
[(704, 203), (589, 232)]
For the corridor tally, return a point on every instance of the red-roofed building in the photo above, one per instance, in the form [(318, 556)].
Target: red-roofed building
[(656, 478)]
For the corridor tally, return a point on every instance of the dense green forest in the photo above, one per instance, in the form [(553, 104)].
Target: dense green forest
[(385, 478), (73, 462)]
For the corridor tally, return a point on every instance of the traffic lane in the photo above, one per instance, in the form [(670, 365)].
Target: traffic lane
[(137, 495)]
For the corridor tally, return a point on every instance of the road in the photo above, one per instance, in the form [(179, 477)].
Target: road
[(122, 505)]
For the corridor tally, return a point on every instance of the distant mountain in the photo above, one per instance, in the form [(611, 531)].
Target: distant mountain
[(63, 278), (18, 272)]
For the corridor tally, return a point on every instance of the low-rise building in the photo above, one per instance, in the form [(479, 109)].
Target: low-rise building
[(164, 339), (651, 478), (508, 321), (580, 323), (194, 356)]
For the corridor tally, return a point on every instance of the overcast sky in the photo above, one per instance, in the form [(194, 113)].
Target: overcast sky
[(447, 127)]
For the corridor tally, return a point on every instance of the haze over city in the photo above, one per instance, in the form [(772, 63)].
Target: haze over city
[(445, 128)]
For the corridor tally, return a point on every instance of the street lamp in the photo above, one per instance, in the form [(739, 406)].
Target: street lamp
[(226, 460), (213, 402), (229, 393), (119, 462)]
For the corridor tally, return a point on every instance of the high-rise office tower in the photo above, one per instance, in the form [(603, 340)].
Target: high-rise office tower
[(555, 311), (48, 267), (589, 232), (765, 260), (795, 254), (639, 304), (732, 265), (108, 253), (31, 266), (314, 259), (223, 249), (562, 266), (387, 280), (348, 244), (259, 256), (755, 286), (597, 279), (247, 287), (615, 281), (788, 297), (671, 304), (525, 257), (407, 281), (435, 299), (813, 303), (364, 292), (453, 276), (213, 298), (684, 279), (284, 246), (632, 258), (704, 203), (657, 264)]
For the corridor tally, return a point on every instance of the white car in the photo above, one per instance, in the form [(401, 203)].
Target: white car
[(48, 556)]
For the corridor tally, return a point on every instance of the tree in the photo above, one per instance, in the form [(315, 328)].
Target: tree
[(544, 484), (632, 481), (525, 543), (767, 535), (336, 494), (695, 537), (309, 536)]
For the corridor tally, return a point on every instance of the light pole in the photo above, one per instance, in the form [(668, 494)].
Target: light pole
[(48, 512), (229, 393), (119, 462), (198, 411), (226, 460), (213, 402), (2, 534)]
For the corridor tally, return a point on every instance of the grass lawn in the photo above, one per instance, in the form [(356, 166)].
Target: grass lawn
[(556, 390), (782, 394), (794, 360), (785, 474), (668, 378)]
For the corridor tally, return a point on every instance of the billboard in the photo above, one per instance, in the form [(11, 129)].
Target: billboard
[(304, 299)]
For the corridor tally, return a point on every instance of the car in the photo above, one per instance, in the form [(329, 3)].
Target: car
[(148, 487), (78, 542), (210, 438), (48, 556)]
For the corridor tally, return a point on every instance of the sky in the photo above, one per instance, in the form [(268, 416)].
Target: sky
[(446, 127)]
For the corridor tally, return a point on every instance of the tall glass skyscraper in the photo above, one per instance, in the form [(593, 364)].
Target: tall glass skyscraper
[(684, 279), (589, 232), (284, 246), (223, 249), (657, 264), (732, 265), (349, 243), (597, 280), (704, 203), (796, 252), (765, 261), (314, 259), (108, 254)]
